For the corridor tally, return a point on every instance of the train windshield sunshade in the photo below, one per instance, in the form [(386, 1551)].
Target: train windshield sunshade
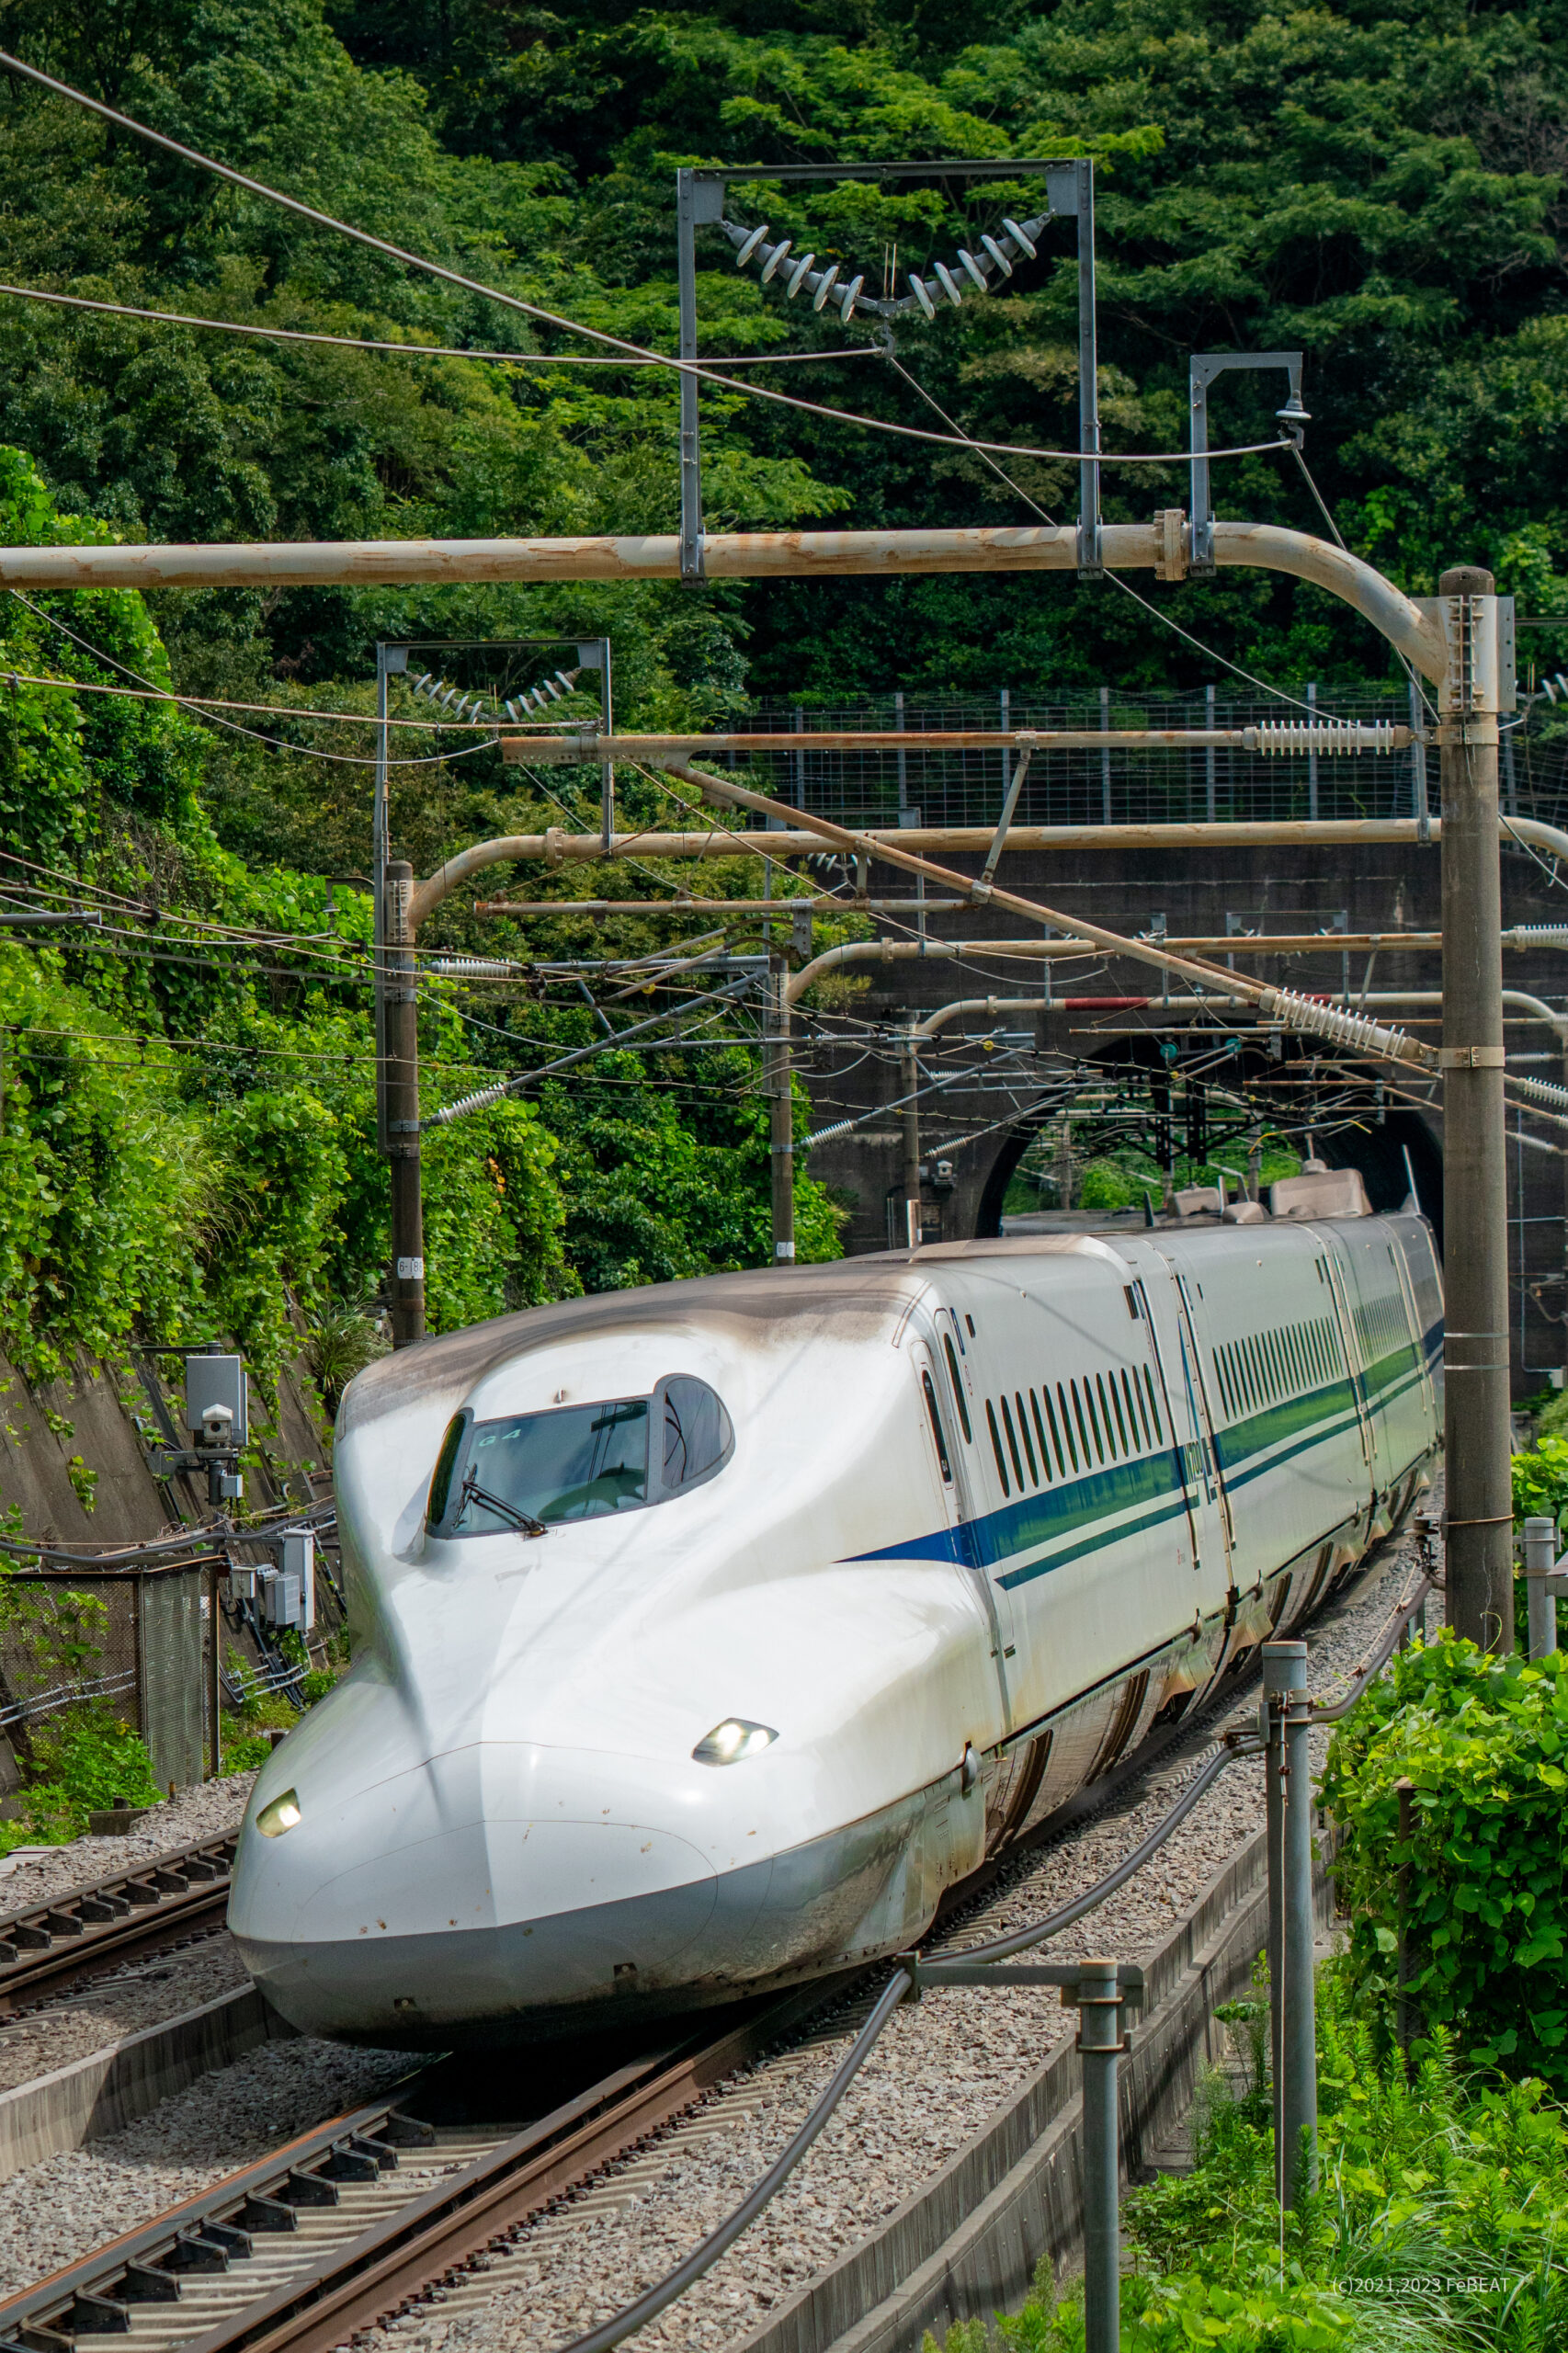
[(531, 1471)]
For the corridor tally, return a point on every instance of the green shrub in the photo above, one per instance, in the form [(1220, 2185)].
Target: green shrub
[(242, 1752), (1540, 1480), (1440, 2221), (81, 1762), (1484, 1741)]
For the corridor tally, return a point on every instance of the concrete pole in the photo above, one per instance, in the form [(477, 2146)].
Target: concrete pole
[(1099, 2047), (1475, 1205), (909, 1087), (402, 1113), (780, 1111), (1284, 1683)]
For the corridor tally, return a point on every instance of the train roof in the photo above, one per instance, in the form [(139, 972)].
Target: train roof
[(862, 1297)]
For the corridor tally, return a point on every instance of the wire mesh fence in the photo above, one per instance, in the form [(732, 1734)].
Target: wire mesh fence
[(1127, 784)]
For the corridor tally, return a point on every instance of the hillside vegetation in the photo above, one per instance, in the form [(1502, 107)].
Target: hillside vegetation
[(187, 1123)]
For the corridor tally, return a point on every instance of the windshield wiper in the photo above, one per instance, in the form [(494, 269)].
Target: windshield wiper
[(523, 1521)]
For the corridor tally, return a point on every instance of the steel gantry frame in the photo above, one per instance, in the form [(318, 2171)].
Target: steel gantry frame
[(1453, 640)]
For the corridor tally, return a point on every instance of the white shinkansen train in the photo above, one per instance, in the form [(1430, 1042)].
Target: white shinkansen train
[(704, 1634)]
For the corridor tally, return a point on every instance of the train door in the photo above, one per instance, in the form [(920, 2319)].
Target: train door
[(1350, 1349), (1179, 1403), (1416, 1411), (941, 1368), (1210, 1479)]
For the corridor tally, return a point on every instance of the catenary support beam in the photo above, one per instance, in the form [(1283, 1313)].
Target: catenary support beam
[(734, 555), (556, 847)]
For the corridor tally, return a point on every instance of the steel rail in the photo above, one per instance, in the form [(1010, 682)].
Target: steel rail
[(378, 2270), (48, 1945)]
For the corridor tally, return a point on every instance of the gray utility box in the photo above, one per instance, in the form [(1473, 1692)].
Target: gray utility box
[(214, 1383), (289, 1591)]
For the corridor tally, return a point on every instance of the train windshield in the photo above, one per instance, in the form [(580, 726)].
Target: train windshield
[(578, 1461)]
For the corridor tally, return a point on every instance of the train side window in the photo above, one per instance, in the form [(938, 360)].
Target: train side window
[(1067, 1426), (699, 1437), (1154, 1405), (1025, 1435), (936, 1430), (1055, 1431), (1222, 1366), (1126, 1391), (1039, 1433), (1136, 1409), (1093, 1425), (996, 1448), (1120, 1424), (953, 1375), (1013, 1445), (446, 1464)]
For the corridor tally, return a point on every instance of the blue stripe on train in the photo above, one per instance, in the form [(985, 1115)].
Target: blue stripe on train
[(1152, 1482)]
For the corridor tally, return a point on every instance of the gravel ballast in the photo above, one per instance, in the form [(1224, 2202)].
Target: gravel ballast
[(940, 2072), (208, 1811)]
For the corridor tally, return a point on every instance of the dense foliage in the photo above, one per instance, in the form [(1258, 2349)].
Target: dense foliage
[(1442, 2219), (1484, 1742), (187, 1107), (1378, 185)]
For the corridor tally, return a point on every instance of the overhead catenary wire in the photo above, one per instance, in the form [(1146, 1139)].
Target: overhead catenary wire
[(423, 350), (552, 318)]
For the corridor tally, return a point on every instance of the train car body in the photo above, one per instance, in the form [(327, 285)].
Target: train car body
[(848, 1575)]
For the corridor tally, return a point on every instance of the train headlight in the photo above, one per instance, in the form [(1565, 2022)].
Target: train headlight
[(281, 1815), (731, 1740)]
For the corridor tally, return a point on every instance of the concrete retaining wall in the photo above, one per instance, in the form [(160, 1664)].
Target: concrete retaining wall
[(968, 2244), (108, 2089)]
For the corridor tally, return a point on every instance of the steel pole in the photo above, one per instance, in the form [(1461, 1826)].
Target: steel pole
[(1404, 2008), (1285, 1681), (780, 1111), (1274, 1821), (1541, 1561), (402, 1112), (1475, 1205), (910, 1064), (1099, 2046)]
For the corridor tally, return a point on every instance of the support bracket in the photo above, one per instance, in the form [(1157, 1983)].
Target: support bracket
[(1203, 367)]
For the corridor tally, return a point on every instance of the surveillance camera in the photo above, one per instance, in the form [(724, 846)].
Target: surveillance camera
[(217, 1425)]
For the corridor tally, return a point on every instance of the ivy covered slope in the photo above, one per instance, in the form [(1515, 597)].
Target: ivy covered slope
[(188, 1133)]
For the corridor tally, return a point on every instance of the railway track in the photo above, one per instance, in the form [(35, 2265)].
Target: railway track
[(366, 2214), (359, 2217), (76, 1935)]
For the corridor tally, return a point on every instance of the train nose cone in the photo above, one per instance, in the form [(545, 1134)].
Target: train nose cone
[(495, 1879)]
